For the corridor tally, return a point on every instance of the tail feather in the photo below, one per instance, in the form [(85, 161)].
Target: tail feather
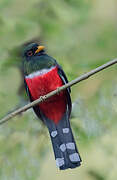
[(64, 146)]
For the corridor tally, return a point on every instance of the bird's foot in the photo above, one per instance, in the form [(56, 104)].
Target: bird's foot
[(42, 98)]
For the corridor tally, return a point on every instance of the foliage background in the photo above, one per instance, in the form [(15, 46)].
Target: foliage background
[(81, 35)]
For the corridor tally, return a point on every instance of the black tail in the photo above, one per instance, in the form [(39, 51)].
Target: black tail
[(64, 146)]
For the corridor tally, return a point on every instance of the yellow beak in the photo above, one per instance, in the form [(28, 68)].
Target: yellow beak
[(40, 48)]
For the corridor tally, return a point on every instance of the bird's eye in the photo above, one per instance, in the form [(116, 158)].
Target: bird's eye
[(29, 53)]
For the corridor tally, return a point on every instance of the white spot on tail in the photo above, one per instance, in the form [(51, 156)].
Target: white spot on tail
[(65, 130), (39, 73), (70, 145), (74, 157), (62, 147), (60, 162), (53, 133)]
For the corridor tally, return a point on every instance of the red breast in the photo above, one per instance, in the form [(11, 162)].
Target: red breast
[(42, 82)]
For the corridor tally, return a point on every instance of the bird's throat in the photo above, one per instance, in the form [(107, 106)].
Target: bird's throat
[(39, 73)]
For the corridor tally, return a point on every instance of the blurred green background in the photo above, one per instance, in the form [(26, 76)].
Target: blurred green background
[(81, 35)]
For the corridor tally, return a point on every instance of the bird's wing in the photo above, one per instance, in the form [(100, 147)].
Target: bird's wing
[(65, 80), (35, 108)]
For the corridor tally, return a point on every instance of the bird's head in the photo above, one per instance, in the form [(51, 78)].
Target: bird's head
[(33, 50)]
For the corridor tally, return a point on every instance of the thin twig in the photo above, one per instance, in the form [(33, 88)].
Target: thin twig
[(71, 83)]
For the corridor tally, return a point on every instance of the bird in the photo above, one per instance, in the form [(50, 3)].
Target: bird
[(42, 74)]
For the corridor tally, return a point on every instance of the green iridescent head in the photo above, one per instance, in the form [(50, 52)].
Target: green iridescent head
[(35, 58), (32, 50)]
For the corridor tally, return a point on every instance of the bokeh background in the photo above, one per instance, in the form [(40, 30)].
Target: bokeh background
[(81, 35)]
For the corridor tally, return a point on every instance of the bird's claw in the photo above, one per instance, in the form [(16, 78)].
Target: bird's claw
[(57, 91), (42, 98)]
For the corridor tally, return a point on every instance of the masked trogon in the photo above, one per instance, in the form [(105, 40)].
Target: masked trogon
[(42, 74)]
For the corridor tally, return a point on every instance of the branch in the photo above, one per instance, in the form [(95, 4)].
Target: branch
[(71, 83)]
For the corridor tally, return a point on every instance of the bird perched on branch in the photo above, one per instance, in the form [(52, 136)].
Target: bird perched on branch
[(42, 74)]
